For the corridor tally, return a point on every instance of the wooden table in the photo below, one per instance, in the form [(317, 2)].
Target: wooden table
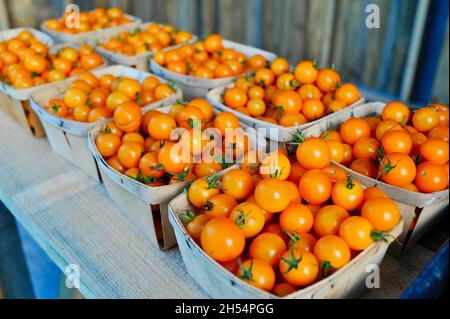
[(75, 222)]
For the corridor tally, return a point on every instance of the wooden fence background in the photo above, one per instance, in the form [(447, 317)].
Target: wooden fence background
[(331, 31)]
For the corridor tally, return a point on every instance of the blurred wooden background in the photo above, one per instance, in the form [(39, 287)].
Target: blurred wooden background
[(381, 60)]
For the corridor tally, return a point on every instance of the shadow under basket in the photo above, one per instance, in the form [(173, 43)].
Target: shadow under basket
[(23, 114)]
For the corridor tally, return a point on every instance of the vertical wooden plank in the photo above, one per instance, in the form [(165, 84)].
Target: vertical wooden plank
[(14, 274), (208, 20), (4, 19), (440, 90), (142, 9), (319, 30)]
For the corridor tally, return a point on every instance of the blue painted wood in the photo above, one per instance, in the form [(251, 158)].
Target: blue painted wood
[(183, 8), (216, 26), (14, 273), (259, 23), (199, 28), (383, 80), (433, 280), (432, 45)]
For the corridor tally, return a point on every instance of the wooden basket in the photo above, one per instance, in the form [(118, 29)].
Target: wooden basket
[(194, 87), (16, 101), (136, 199), (420, 211), (69, 138), (218, 282), (139, 61)]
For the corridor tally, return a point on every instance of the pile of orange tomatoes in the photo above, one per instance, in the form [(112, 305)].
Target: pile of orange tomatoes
[(281, 97), (91, 98), (208, 59), (154, 38), (403, 148), (148, 151), (26, 62), (287, 221), (94, 20)]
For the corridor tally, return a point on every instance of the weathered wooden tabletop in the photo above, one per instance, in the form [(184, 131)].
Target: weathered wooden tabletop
[(75, 222)]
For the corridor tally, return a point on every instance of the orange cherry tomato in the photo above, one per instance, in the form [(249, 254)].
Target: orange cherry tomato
[(222, 239), (332, 250), (382, 213), (357, 233), (257, 273), (249, 218), (273, 195), (299, 268), (328, 220), (431, 177), (313, 153), (315, 187), (238, 184), (297, 218)]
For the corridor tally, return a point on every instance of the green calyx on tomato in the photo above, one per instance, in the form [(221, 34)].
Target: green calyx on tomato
[(247, 273), (325, 269), (292, 262)]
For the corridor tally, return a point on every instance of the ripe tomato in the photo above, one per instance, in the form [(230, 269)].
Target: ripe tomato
[(257, 273), (396, 111), (431, 177), (336, 151), (267, 247), (275, 165), (289, 102), (115, 164), (273, 195), (279, 66), (366, 148), (328, 80), (75, 97), (332, 250), (309, 91), (306, 72), (283, 289), (328, 220), (299, 268), (290, 120), (222, 239), (163, 91), (354, 129), (313, 109), (161, 126), (297, 218), (335, 173), (213, 43), (374, 192), (331, 135), (347, 93), (443, 112), (220, 205), (440, 133), (397, 169), (226, 120), (238, 184), (435, 151), (149, 165), (133, 137), (57, 107), (204, 106), (425, 119), (315, 187), (202, 190), (195, 224), (172, 158), (36, 63), (397, 142), (382, 213), (107, 144), (313, 153), (297, 171), (357, 233), (286, 82), (91, 61), (204, 169), (191, 117), (249, 218), (130, 154), (264, 77), (386, 126), (128, 116), (335, 106), (256, 107), (365, 167)]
